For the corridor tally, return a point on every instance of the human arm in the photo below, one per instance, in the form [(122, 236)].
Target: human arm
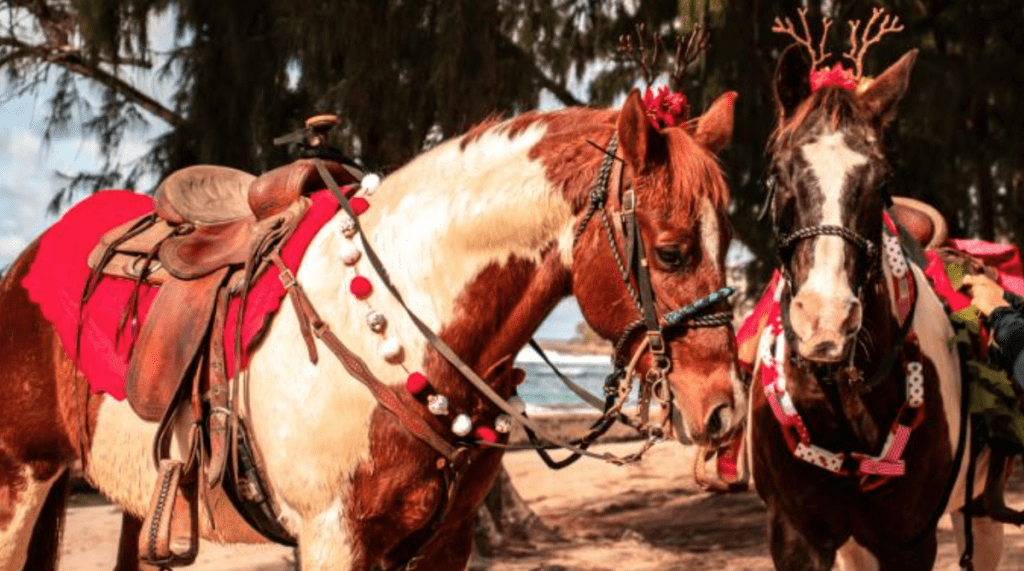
[(1004, 314)]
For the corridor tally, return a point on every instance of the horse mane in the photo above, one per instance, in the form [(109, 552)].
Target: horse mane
[(839, 107), (572, 161)]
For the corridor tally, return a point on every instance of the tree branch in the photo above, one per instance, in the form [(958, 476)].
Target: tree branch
[(557, 89), (74, 63)]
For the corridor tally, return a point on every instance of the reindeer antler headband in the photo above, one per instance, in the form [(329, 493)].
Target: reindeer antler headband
[(838, 76), (666, 108)]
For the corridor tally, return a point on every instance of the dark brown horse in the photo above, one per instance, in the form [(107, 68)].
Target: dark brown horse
[(483, 235), (856, 401)]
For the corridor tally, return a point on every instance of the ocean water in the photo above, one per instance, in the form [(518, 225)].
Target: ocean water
[(543, 390)]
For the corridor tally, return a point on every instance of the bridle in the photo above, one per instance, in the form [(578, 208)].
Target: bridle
[(633, 266), (786, 242)]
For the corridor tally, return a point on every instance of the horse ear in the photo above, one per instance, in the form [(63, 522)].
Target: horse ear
[(641, 143), (885, 91), (714, 128), (792, 83)]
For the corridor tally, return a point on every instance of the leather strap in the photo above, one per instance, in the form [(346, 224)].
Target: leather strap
[(438, 344), (358, 369)]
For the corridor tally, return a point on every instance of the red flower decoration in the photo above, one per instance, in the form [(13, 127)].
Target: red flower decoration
[(416, 383), (360, 287), (359, 205), (837, 76), (665, 108)]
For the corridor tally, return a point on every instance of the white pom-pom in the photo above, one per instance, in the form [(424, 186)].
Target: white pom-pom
[(462, 425), (376, 321), (391, 350), (350, 254), (370, 183)]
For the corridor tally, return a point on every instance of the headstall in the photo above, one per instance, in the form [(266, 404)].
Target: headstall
[(773, 354)]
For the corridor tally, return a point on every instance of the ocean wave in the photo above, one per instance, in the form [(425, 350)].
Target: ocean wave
[(528, 355)]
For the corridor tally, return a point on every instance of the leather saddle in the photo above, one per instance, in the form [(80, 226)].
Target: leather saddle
[(921, 220), (209, 237)]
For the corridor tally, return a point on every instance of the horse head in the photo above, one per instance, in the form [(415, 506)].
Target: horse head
[(668, 182), (828, 170)]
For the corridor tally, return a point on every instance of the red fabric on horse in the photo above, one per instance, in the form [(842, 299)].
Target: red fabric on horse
[(1004, 258), (58, 275)]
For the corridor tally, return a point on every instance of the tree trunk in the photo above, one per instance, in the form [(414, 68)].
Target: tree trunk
[(506, 523)]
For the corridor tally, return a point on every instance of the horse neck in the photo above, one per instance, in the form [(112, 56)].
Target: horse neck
[(474, 235)]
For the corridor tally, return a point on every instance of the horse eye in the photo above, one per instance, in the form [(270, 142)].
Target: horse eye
[(670, 257)]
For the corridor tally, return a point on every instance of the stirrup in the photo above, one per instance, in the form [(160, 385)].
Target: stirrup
[(170, 532)]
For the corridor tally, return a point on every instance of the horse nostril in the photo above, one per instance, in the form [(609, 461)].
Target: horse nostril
[(718, 421)]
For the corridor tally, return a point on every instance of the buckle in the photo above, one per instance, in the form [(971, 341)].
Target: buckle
[(656, 341), (628, 202), (287, 278)]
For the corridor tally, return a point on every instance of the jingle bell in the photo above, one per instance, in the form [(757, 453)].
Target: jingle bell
[(518, 404), (503, 423), (376, 321), (348, 225), (437, 404)]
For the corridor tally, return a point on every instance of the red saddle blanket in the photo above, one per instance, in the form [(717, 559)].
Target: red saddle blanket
[(58, 274)]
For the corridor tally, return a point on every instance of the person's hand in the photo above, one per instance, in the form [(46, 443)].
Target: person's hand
[(985, 294)]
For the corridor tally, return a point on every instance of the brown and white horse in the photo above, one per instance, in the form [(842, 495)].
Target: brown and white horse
[(478, 236), (853, 459)]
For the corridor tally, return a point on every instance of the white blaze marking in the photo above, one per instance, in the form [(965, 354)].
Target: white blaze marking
[(709, 232), (831, 161)]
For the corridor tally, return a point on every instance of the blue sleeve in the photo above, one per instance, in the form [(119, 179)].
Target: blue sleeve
[(1007, 325)]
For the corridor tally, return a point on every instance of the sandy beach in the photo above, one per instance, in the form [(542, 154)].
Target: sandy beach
[(645, 517)]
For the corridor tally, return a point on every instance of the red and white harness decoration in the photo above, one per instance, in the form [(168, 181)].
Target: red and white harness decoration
[(773, 353)]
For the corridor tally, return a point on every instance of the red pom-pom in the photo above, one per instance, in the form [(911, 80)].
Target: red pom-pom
[(416, 383), (360, 287), (486, 434), (359, 205)]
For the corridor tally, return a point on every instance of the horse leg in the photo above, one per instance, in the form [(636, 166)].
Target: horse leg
[(325, 542), (31, 516), (792, 549), (988, 540), (451, 548), (853, 556), (920, 557)]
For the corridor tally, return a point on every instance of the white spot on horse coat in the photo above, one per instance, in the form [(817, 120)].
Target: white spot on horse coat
[(435, 224)]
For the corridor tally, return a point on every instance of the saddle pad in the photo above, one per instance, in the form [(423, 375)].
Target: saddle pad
[(58, 274)]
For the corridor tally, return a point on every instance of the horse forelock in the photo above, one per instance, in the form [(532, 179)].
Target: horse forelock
[(834, 108), (694, 174)]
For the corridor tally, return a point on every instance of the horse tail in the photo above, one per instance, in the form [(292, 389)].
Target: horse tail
[(44, 549)]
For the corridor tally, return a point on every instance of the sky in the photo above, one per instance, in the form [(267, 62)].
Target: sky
[(28, 165)]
